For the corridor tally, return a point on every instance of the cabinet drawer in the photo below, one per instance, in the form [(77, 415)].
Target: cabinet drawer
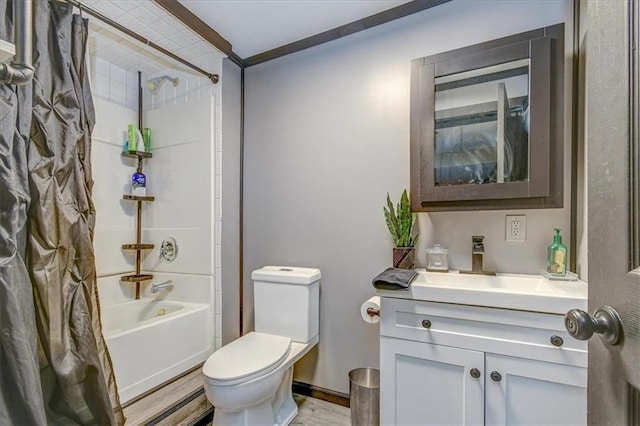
[(509, 332)]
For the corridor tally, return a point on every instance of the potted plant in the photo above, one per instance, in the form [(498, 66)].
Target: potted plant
[(400, 222)]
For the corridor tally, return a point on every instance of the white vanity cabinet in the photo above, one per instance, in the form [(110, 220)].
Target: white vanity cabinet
[(449, 364)]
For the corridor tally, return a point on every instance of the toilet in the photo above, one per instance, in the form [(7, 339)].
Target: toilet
[(249, 380)]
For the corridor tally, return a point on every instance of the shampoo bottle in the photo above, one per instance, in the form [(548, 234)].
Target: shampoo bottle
[(131, 137), (139, 184), (557, 255)]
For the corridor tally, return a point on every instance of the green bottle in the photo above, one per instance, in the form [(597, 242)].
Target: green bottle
[(557, 255), (131, 136)]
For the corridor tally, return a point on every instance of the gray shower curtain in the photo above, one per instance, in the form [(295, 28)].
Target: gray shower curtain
[(21, 401), (74, 382)]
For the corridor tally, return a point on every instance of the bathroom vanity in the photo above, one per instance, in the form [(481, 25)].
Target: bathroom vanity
[(472, 349)]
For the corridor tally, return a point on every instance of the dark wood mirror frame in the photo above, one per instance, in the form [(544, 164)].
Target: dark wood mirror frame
[(544, 189)]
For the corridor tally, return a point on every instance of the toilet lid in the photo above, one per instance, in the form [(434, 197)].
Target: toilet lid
[(247, 356)]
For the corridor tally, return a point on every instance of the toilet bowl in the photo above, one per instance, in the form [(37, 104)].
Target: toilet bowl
[(249, 380)]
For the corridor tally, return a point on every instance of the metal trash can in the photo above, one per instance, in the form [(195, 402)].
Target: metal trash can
[(364, 396)]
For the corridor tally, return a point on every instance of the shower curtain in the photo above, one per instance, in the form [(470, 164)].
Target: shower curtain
[(74, 383), (21, 401)]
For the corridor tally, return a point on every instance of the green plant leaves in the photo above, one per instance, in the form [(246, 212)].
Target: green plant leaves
[(392, 221), (400, 221)]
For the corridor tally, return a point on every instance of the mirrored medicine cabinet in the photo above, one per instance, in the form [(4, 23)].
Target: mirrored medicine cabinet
[(487, 125)]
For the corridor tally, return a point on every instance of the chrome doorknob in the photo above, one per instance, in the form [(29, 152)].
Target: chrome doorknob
[(605, 322)]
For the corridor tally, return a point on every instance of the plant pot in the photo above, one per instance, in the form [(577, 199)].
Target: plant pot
[(404, 257)]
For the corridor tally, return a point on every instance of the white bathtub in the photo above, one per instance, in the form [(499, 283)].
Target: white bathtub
[(151, 341)]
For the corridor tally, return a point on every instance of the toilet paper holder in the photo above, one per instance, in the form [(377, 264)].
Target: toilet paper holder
[(372, 312)]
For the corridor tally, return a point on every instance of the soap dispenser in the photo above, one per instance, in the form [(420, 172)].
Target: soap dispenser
[(557, 255)]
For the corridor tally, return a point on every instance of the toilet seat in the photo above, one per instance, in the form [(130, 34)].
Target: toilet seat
[(252, 355)]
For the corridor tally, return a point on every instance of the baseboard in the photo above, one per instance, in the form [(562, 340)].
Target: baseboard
[(321, 393)]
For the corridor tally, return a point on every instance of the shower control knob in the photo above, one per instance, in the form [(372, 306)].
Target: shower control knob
[(475, 373), (605, 322), (169, 249)]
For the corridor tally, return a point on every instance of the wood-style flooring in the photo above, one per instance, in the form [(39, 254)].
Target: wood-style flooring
[(315, 412), (149, 410), (152, 408)]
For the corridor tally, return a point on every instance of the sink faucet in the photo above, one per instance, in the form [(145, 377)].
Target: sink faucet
[(477, 255), (167, 285)]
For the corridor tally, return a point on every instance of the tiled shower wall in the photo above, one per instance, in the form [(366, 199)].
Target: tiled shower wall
[(115, 90), (114, 83)]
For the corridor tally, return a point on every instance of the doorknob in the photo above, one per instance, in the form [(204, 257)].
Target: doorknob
[(605, 322)]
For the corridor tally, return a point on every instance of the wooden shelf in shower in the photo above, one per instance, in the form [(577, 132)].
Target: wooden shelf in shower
[(136, 154), (136, 278), (138, 197), (137, 246)]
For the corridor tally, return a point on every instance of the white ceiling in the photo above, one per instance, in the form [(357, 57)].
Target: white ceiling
[(251, 26), (255, 26), (151, 22)]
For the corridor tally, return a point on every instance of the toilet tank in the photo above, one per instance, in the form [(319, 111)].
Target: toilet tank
[(287, 301)]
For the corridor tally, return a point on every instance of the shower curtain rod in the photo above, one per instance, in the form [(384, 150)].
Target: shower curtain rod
[(213, 77)]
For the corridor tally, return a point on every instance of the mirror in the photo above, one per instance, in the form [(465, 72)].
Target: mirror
[(487, 125), (482, 125)]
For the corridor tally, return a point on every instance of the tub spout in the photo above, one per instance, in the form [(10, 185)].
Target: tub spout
[(167, 285)]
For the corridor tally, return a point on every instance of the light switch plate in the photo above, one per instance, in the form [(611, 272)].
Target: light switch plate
[(516, 228)]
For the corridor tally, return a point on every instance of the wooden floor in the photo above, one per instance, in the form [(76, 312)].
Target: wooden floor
[(149, 410), (315, 412)]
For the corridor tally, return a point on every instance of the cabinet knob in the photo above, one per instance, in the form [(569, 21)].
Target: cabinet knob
[(426, 323), (495, 376), (475, 373), (556, 340)]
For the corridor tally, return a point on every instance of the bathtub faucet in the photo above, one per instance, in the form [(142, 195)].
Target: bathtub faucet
[(167, 285)]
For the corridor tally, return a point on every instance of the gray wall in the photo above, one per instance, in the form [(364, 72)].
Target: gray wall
[(231, 98), (327, 136)]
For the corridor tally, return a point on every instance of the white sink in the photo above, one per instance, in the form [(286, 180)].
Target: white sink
[(510, 291)]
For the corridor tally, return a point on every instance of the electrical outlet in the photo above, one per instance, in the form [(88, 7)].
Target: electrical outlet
[(516, 228)]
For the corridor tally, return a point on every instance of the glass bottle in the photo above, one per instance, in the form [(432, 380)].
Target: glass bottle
[(557, 255)]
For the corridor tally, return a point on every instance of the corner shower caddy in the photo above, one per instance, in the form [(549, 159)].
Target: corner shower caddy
[(138, 246)]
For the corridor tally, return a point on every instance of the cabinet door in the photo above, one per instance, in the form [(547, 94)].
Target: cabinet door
[(425, 384), (527, 392)]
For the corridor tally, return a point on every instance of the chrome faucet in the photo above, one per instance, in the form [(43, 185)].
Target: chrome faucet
[(477, 253), (477, 256), (167, 285)]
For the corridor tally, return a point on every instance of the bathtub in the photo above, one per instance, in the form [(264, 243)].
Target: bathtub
[(152, 341)]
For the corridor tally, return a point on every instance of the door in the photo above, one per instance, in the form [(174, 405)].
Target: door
[(425, 384), (521, 391), (613, 205)]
